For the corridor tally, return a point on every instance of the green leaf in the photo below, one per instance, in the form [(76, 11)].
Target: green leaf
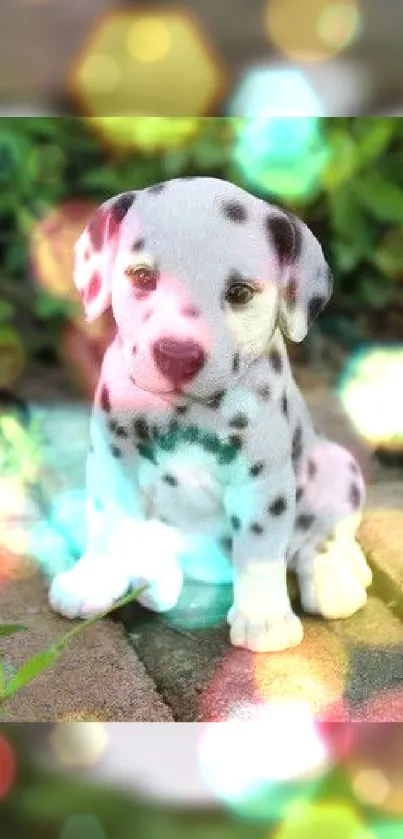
[(32, 668), (12, 628), (382, 199), (342, 162), (377, 134)]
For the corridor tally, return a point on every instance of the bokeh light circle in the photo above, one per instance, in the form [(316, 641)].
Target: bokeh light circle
[(146, 52), (257, 767), (323, 819), (370, 396), (8, 767), (315, 31), (52, 248), (149, 40), (374, 768), (148, 134), (79, 744)]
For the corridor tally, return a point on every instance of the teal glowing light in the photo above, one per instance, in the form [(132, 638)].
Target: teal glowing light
[(284, 156), (279, 147), (275, 92)]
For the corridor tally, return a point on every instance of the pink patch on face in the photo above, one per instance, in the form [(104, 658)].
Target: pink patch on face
[(94, 288), (87, 254)]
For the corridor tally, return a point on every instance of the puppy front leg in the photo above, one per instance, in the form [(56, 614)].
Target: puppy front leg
[(262, 516), (123, 549)]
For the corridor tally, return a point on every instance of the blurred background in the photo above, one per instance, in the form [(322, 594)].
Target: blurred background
[(64, 57), (128, 781)]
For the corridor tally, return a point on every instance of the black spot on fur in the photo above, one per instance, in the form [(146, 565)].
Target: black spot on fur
[(299, 493), (235, 363), (284, 405), (290, 295), (117, 429), (285, 235), (138, 245), (170, 479), (91, 449), (257, 468), (355, 496), (264, 391), (238, 421), (216, 400), (235, 211), (296, 450), (256, 528), (315, 306), (190, 312), (116, 451), (141, 429), (147, 315), (156, 189), (122, 206), (181, 409), (354, 467), (105, 399), (236, 522), (276, 361), (278, 506), (304, 521), (235, 440), (311, 468)]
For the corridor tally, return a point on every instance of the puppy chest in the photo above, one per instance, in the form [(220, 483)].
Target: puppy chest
[(182, 476)]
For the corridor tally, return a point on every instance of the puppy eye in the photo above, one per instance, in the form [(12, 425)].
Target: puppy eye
[(144, 277), (240, 294)]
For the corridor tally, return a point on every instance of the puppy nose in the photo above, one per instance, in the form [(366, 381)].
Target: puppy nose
[(178, 360)]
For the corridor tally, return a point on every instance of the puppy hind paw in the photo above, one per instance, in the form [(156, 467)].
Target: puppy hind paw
[(333, 589), (264, 636)]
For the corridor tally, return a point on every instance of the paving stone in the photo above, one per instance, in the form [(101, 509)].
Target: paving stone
[(381, 536), (98, 677), (340, 665)]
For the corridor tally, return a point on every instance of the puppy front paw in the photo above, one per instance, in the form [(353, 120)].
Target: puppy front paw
[(86, 589), (264, 636), (155, 562)]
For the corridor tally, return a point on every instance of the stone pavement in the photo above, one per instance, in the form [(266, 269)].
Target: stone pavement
[(144, 667)]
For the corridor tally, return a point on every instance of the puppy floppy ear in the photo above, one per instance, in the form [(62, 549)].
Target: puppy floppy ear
[(305, 280), (95, 252)]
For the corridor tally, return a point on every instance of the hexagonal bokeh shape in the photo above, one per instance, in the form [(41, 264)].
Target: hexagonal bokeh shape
[(141, 63)]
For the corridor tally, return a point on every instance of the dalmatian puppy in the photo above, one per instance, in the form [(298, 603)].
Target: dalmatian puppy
[(200, 438)]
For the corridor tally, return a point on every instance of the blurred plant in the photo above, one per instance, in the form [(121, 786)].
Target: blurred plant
[(48, 164)]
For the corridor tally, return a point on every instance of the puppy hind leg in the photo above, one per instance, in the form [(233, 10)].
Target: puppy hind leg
[(332, 571)]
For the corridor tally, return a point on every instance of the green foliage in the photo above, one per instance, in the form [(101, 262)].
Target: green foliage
[(357, 210)]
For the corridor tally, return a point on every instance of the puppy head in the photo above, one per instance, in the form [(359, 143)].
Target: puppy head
[(199, 274)]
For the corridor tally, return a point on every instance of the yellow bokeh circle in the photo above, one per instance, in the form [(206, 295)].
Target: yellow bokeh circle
[(313, 30), (149, 40)]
